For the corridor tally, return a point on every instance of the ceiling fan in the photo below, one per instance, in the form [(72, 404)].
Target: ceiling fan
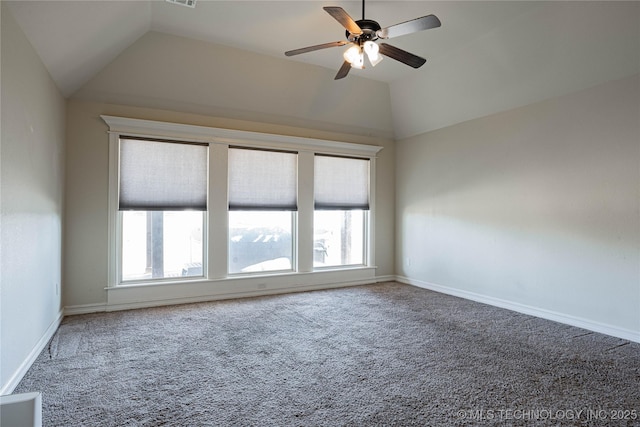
[(362, 35)]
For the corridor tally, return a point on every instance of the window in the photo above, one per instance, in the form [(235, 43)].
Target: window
[(207, 211), (162, 196), (262, 202), (341, 200)]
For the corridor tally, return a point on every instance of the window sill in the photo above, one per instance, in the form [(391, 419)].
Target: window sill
[(149, 294)]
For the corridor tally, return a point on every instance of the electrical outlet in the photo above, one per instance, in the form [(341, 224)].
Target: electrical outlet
[(57, 288), (408, 261)]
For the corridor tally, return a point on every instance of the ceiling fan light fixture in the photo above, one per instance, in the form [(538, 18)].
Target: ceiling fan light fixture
[(373, 52), (352, 54), (362, 34), (359, 62)]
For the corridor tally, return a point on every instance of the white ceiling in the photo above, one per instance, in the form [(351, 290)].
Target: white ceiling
[(75, 39)]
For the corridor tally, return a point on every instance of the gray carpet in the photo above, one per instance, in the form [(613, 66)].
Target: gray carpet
[(385, 354)]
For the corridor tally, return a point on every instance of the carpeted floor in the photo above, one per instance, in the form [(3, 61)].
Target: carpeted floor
[(385, 354)]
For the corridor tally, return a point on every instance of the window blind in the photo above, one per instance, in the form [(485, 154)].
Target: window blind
[(160, 175), (262, 180), (341, 183)]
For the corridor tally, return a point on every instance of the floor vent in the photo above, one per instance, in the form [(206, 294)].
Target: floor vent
[(188, 3)]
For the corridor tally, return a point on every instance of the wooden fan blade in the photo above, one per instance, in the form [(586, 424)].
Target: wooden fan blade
[(344, 19), (343, 71), (316, 47), (402, 55), (408, 27)]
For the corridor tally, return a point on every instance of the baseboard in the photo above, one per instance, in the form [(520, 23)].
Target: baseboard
[(590, 325), (84, 309), (104, 307), (232, 295), (388, 278), (35, 352)]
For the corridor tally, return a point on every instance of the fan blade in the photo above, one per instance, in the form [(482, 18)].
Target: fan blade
[(344, 19), (343, 71), (408, 27), (316, 47), (402, 55)]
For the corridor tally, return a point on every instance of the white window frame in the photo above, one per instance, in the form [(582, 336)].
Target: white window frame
[(216, 219)]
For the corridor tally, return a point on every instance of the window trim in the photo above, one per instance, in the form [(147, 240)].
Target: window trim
[(216, 219), (231, 137)]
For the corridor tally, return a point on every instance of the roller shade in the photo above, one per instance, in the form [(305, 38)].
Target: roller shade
[(341, 183), (262, 180), (161, 175)]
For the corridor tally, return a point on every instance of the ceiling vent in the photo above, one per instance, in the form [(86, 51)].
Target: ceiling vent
[(188, 3)]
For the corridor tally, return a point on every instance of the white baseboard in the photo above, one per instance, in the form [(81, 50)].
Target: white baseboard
[(35, 352), (590, 325), (84, 309), (96, 308), (232, 295)]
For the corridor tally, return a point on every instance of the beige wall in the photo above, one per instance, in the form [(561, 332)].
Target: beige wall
[(535, 206), (87, 189), (31, 203)]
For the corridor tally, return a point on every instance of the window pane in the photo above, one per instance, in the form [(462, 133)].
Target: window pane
[(157, 244), (338, 238), (260, 241)]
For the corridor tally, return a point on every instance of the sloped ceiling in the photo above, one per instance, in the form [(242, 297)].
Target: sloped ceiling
[(76, 38), (554, 49), (486, 57)]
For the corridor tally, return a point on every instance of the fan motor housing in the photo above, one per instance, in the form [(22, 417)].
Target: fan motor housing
[(368, 27)]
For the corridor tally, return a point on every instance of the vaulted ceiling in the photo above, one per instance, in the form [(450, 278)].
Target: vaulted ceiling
[(519, 51)]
